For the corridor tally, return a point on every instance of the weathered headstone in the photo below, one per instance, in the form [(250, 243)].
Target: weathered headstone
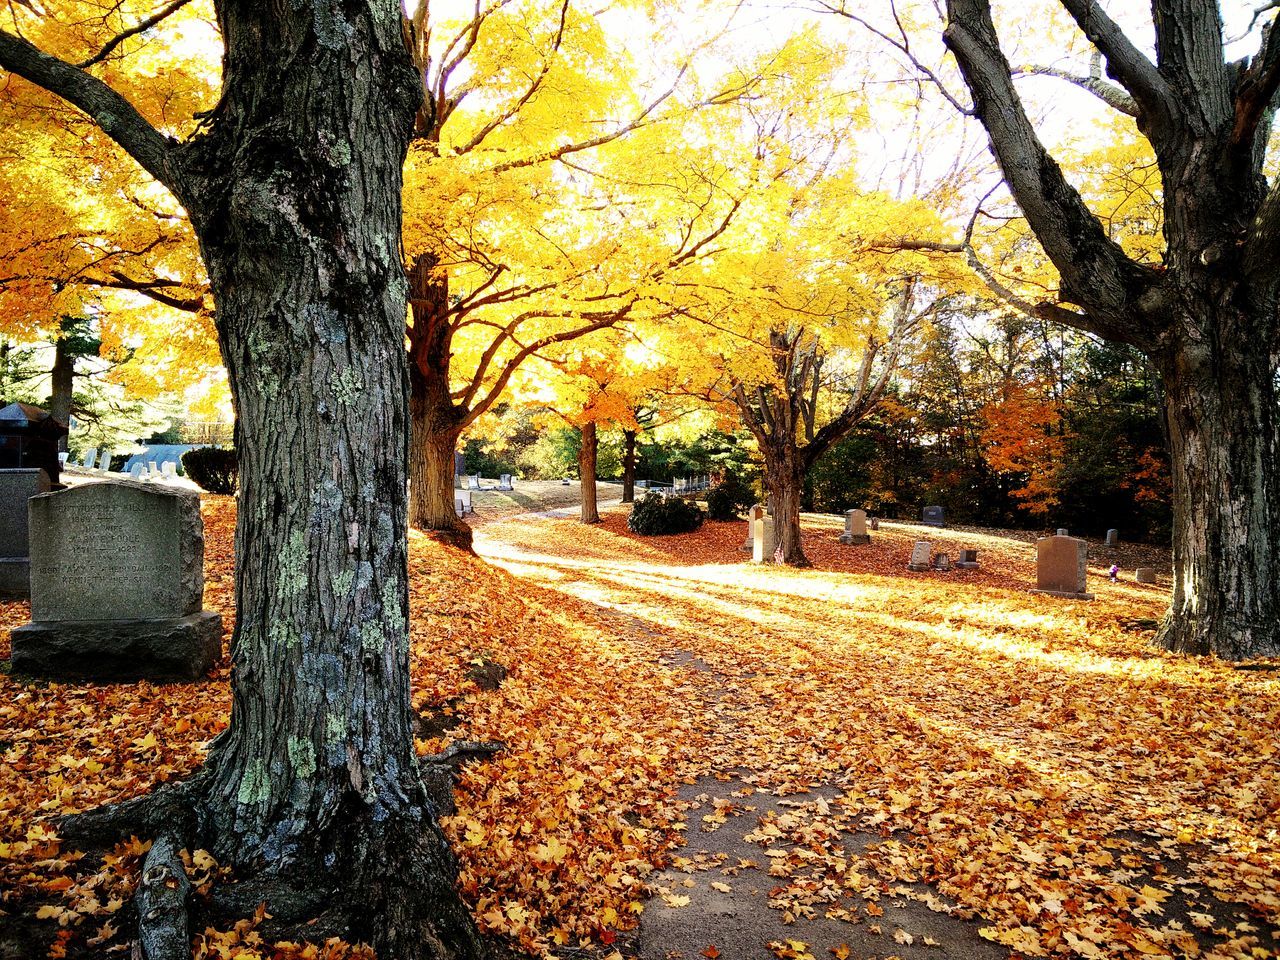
[(1113, 537), (920, 556), (1062, 567), (934, 516), (1062, 532), (942, 562), (16, 488), (968, 559), (755, 511), (875, 523), (117, 585), (763, 541), (855, 527), (1145, 575)]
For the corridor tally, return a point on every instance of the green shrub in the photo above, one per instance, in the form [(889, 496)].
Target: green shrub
[(729, 498), (215, 469), (654, 515)]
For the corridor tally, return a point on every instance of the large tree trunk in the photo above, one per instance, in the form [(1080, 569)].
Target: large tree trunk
[(436, 422), (587, 472), (1221, 412), (62, 384), (315, 784), (785, 482), (629, 466)]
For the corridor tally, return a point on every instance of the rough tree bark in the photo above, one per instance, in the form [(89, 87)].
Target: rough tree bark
[(587, 472), (313, 792), (628, 466), (1208, 317), (436, 421)]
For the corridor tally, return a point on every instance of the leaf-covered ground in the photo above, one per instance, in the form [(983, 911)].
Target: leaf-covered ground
[(1025, 759)]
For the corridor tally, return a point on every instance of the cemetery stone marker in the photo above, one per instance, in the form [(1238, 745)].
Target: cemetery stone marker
[(1113, 537), (756, 511), (763, 541), (968, 559), (1146, 575), (117, 586), (1062, 567), (17, 486), (855, 527), (934, 517), (920, 554)]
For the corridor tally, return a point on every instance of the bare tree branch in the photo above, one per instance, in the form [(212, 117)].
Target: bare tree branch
[(141, 27)]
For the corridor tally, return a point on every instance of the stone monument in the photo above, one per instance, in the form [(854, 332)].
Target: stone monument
[(16, 488), (934, 517), (968, 559), (874, 523), (1113, 537), (1145, 575), (1062, 567), (117, 586), (763, 537), (756, 511), (1062, 532), (855, 528), (920, 556)]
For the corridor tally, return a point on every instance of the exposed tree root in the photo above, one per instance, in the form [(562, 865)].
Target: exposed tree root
[(169, 809), (365, 876), (163, 930), (459, 537)]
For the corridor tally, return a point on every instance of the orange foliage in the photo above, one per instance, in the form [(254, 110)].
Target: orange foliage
[(1024, 436)]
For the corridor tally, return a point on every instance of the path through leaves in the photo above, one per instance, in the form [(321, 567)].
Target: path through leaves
[(978, 751)]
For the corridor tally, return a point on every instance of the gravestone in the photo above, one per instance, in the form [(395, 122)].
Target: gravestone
[(16, 488), (934, 517), (756, 511), (1145, 575), (1062, 567), (855, 528), (875, 523), (117, 586), (942, 562), (920, 555), (1062, 532), (968, 559), (763, 538), (1113, 537)]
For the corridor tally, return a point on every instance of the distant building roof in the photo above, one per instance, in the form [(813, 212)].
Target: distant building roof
[(26, 415)]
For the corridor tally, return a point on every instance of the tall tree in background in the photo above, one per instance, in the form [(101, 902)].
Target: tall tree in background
[(292, 185), (1206, 316), (526, 228)]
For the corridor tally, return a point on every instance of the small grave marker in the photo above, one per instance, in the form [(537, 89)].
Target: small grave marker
[(920, 556), (855, 528)]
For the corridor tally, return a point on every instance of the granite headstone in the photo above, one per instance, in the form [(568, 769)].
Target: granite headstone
[(117, 584), (1145, 575), (934, 516), (763, 542), (921, 553), (17, 486), (855, 528), (1062, 567)]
